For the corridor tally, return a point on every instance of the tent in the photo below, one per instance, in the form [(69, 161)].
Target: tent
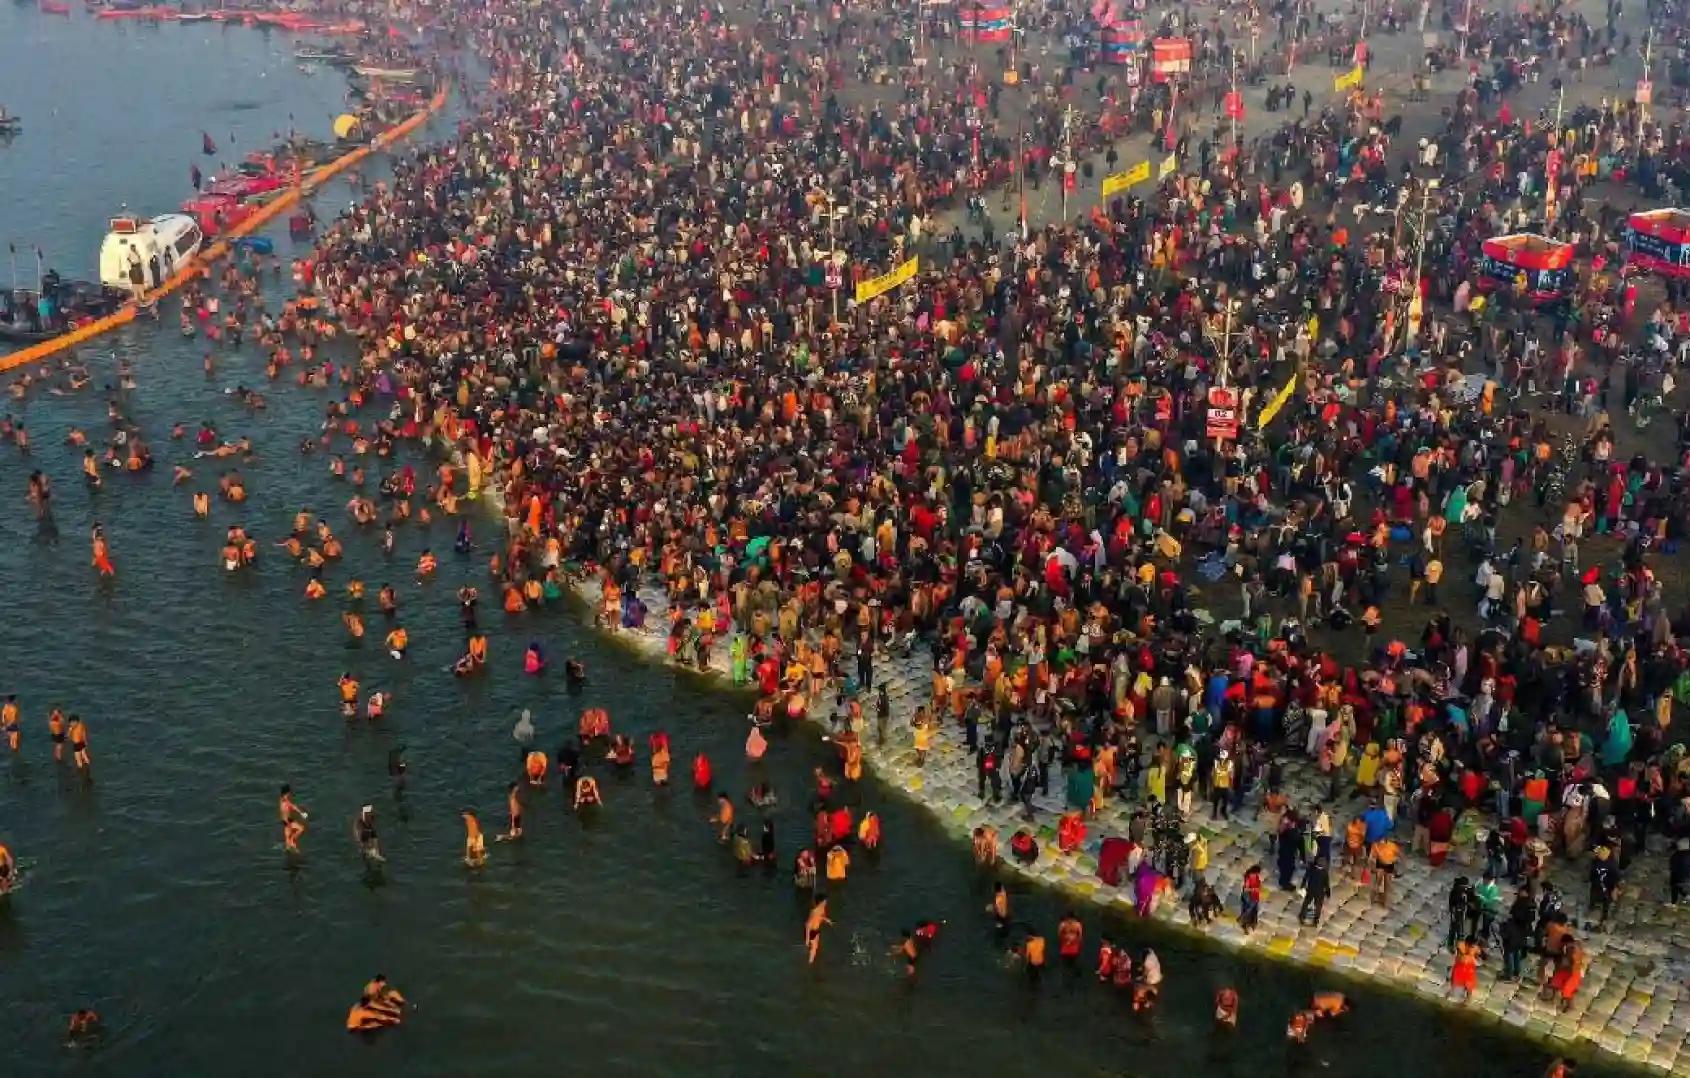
[(1170, 56), (1122, 42), (985, 22), (1545, 263), (1658, 241)]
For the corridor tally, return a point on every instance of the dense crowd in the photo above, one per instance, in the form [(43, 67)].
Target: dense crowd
[(1436, 572)]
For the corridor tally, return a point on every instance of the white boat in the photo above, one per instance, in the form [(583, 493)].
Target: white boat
[(398, 74), (147, 252)]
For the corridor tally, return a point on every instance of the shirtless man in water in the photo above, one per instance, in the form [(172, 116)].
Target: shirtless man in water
[(475, 844), (813, 928), (9, 723), (513, 806), (293, 820)]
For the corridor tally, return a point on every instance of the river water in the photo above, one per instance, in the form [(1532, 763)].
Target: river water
[(622, 943)]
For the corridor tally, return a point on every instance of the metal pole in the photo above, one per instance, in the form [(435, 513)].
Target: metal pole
[(1223, 369), (1642, 107), (1226, 346), (1296, 36), (1554, 147), (1235, 110), (1419, 264), (1067, 157), (1021, 170), (921, 38)]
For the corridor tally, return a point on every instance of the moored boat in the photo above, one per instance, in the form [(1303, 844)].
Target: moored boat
[(24, 319), (377, 71), (146, 252), (320, 54)]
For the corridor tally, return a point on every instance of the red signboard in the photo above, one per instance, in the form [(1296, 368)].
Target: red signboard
[(1223, 412)]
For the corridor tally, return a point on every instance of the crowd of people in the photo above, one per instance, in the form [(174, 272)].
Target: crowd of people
[(603, 306)]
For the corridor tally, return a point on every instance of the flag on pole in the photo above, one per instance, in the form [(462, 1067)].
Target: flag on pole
[(1348, 80)]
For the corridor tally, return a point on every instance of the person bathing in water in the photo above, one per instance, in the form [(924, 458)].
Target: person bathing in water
[(293, 820), (364, 834), (475, 844)]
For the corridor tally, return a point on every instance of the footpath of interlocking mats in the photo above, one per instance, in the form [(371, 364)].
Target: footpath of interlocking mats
[(1633, 1003)]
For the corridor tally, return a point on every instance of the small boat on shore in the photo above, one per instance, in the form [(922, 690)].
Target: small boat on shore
[(376, 71), (324, 54), (154, 13)]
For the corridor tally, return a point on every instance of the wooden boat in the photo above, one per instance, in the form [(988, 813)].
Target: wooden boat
[(314, 54), (376, 71), (135, 13), (77, 301)]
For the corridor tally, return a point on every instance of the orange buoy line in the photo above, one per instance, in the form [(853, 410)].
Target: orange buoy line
[(196, 266)]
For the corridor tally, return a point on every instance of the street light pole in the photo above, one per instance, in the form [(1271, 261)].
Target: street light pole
[(1021, 170), (1412, 313), (1237, 107), (1223, 365), (1067, 156), (1643, 106), (1550, 177), (833, 243)]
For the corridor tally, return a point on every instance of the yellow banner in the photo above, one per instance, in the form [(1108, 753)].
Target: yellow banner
[(875, 286), (1274, 405), (1120, 181), (1348, 80), (1169, 164)]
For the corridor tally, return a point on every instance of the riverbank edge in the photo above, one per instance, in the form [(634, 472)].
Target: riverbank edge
[(1061, 873)]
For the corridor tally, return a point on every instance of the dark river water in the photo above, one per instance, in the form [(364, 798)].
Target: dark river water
[(625, 943)]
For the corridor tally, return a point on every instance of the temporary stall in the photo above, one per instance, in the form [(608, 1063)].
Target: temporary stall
[(1658, 241), (1546, 265), (1123, 43), (985, 22), (1170, 57)]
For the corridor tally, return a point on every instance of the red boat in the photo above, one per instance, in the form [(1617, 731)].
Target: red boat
[(54, 7), (246, 186), (217, 213)]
